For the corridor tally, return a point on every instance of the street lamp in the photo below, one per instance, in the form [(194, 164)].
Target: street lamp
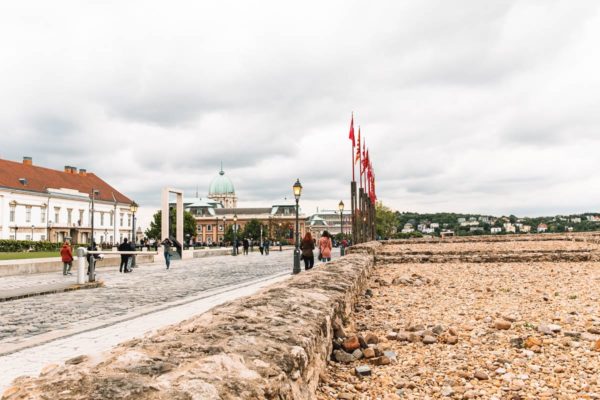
[(32, 226), (297, 192), (341, 207), (133, 207), (279, 238), (95, 192), (224, 220), (234, 234)]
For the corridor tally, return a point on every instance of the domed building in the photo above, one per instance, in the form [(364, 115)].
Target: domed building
[(221, 189), (215, 214)]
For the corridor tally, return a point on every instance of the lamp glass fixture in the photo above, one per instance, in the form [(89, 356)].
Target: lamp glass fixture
[(133, 207), (341, 205), (297, 189)]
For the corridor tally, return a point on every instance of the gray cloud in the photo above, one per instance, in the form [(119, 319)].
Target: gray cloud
[(469, 106)]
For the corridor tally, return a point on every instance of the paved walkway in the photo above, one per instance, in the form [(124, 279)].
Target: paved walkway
[(148, 287), (30, 361)]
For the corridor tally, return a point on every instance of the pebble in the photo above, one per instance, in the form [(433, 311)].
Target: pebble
[(482, 376), (363, 370), (429, 339), (502, 325)]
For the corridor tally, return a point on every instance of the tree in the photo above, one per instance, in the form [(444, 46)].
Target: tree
[(385, 221), (252, 229), (189, 225)]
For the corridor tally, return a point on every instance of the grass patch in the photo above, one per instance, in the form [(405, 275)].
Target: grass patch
[(24, 255)]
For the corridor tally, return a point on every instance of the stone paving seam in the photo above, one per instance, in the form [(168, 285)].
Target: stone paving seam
[(7, 348)]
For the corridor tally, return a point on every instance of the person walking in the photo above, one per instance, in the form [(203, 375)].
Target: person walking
[(246, 245), (325, 246), (124, 257), (91, 258), (307, 246), (167, 251), (267, 244), (66, 254)]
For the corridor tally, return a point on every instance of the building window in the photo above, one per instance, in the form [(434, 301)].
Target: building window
[(128, 219), (27, 237), (208, 228), (220, 228), (43, 238), (101, 219), (121, 223), (80, 218), (199, 228), (112, 217), (12, 212), (56, 215), (43, 215), (69, 216), (12, 237)]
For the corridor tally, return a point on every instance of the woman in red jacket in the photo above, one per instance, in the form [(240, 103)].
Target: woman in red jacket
[(67, 258)]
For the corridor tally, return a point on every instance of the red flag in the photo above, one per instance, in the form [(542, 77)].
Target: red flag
[(351, 136)]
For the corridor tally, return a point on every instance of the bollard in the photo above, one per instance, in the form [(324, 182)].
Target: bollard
[(81, 252), (342, 251)]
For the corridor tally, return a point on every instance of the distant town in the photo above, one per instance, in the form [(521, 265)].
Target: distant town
[(451, 224)]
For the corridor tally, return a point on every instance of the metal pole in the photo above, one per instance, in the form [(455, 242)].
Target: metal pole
[(297, 249), (234, 239), (342, 250), (92, 239), (81, 252), (353, 210), (133, 240)]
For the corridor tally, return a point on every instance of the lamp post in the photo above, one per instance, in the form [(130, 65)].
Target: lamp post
[(32, 226), (341, 207), (133, 207), (297, 192), (95, 192), (234, 234), (279, 238), (224, 220), (16, 229)]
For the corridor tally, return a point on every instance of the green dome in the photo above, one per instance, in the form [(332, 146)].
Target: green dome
[(221, 185)]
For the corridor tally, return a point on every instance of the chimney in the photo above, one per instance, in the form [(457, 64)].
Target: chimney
[(74, 170), (68, 169), (82, 172), (27, 161)]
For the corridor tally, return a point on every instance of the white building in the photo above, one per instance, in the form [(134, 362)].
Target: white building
[(38, 203), (495, 229)]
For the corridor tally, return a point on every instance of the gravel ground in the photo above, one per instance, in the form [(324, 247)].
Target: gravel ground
[(497, 331)]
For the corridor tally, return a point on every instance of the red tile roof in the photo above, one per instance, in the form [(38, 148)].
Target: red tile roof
[(40, 178)]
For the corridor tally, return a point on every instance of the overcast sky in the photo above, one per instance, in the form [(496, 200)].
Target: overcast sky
[(467, 106)]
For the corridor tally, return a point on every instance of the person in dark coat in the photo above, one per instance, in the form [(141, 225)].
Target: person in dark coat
[(91, 258), (167, 251), (246, 245), (124, 257), (307, 246)]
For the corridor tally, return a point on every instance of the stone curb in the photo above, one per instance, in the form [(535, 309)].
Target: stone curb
[(51, 289)]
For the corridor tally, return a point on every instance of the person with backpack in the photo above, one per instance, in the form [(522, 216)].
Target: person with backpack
[(325, 246), (124, 257), (307, 246)]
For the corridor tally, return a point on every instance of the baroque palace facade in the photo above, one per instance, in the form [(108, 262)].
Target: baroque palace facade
[(215, 213), (38, 203)]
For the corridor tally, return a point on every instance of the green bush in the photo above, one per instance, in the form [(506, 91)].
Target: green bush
[(24, 245)]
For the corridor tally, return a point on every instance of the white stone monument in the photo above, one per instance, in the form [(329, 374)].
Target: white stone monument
[(178, 214)]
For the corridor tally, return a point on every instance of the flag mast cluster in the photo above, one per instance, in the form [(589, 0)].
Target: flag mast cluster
[(363, 201)]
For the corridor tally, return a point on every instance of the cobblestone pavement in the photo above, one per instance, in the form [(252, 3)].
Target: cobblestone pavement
[(93, 343), (150, 285)]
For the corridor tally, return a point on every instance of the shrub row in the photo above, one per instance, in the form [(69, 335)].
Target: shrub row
[(26, 245)]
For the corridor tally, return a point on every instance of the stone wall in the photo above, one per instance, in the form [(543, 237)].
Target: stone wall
[(272, 345)]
